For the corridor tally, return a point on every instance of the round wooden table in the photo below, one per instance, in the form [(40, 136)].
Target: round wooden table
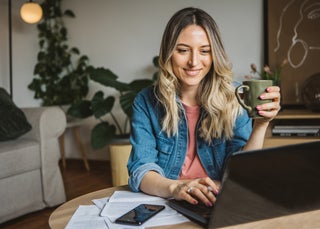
[(306, 220)]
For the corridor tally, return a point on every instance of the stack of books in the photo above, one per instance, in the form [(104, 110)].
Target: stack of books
[(296, 130)]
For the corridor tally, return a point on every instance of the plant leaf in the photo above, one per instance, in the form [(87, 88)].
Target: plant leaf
[(101, 106), (102, 134), (155, 61), (80, 109), (126, 101), (138, 85), (69, 13), (107, 78), (75, 50)]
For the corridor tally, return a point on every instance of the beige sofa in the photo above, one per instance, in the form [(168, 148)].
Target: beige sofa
[(30, 177)]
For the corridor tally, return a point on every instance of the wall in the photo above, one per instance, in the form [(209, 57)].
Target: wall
[(124, 36)]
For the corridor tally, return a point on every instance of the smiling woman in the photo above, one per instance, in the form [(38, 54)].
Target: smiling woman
[(189, 122)]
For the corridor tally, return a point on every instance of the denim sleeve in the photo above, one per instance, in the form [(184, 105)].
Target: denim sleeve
[(144, 155), (242, 132), (137, 175)]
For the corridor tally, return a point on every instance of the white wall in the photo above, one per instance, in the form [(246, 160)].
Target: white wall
[(124, 36)]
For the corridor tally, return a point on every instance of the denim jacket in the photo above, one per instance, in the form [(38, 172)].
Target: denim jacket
[(153, 150)]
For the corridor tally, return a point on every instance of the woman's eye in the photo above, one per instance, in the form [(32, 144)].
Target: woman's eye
[(180, 50), (205, 51)]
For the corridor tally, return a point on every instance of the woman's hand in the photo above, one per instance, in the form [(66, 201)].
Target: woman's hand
[(202, 189), (269, 110)]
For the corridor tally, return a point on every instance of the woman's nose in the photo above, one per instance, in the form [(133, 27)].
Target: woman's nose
[(193, 59)]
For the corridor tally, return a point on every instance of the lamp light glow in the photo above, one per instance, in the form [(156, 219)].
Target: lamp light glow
[(31, 12)]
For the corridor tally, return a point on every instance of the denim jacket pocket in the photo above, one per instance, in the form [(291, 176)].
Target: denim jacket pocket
[(165, 149)]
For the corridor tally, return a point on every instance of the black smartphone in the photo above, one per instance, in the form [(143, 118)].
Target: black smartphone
[(140, 214)]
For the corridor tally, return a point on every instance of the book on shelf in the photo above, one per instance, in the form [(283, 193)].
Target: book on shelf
[(296, 127), (298, 130), (296, 134)]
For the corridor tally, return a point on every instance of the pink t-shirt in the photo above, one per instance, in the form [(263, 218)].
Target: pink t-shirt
[(192, 167)]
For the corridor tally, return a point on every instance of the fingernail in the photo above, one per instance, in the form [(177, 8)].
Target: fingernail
[(259, 108), (262, 96), (195, 202), (209, 204)]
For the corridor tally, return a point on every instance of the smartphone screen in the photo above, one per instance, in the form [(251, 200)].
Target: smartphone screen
[(140, 214)]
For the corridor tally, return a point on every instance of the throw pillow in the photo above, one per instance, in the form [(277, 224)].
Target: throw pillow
[(13, 122)]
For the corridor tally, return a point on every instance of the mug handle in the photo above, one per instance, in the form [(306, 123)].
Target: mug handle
[(245, 87)]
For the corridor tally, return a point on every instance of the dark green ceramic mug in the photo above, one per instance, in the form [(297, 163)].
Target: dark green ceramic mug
[(250, 96)]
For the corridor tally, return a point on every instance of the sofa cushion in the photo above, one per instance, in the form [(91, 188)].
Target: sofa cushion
[(13, 122), (22, 194), (19, 156)]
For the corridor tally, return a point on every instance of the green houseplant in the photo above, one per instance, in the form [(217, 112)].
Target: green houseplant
[(267, 73), (61, 73), (101, 105)]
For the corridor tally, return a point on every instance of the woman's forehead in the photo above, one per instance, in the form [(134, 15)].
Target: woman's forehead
[(193, 33)]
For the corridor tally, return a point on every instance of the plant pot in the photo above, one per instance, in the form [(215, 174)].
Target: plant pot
[(119, 155)]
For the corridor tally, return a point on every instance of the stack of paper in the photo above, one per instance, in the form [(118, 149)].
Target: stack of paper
[(106, 210)]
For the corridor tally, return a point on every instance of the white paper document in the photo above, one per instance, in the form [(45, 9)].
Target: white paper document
[(87, 216), (100, 202), (106, 210)]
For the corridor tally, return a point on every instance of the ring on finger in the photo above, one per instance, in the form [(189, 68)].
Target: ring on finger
[(189, 190)]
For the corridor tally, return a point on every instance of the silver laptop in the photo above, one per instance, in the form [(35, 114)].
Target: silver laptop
[(263, 184)]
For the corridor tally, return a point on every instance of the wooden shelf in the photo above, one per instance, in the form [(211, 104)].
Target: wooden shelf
[(291, 117), (297, 114)]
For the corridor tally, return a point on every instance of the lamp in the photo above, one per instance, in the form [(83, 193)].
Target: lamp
[(31, 12)]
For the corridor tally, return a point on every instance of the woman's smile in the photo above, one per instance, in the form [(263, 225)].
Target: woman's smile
[(192, 72)]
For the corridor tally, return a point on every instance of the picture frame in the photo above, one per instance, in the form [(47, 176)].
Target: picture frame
[(292, 31)]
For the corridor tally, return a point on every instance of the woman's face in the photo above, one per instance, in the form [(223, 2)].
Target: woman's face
[(192, 59)]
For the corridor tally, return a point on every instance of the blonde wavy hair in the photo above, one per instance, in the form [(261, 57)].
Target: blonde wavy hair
[(216, 92)]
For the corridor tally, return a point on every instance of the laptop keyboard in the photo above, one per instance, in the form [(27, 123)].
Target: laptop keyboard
[(199, 212)]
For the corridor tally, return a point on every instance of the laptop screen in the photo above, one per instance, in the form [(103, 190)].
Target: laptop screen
[(268, 183)]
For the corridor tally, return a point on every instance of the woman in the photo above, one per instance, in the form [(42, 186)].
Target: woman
[(185, 126)]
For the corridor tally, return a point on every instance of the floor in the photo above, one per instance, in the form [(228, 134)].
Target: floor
[(77, 182)]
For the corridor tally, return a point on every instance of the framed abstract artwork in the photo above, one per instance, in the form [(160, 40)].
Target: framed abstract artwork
[(292, 29)]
